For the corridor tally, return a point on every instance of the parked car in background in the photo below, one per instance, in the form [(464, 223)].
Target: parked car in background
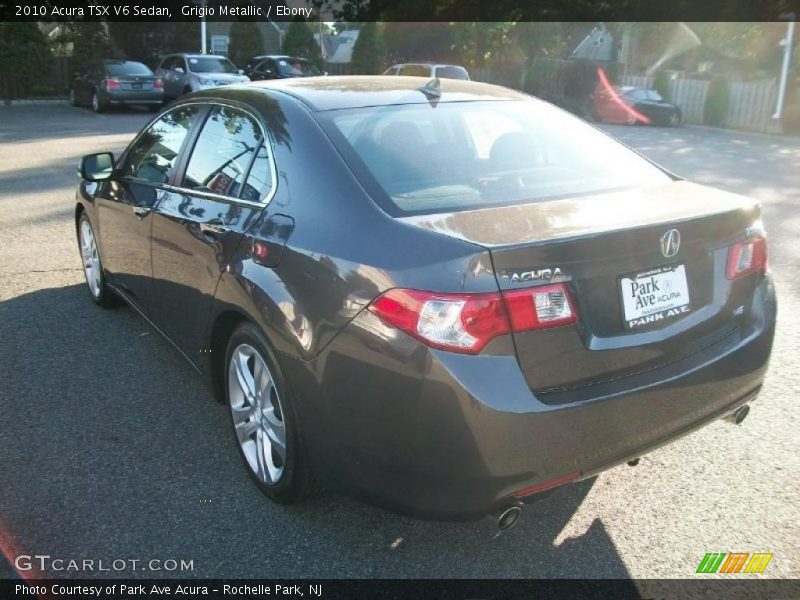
[(185, 73), (117, 83), (428, 70), (630, 105), (280, 67), (444, 307)]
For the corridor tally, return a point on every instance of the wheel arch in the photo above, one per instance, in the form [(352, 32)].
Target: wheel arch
[(223, 326)]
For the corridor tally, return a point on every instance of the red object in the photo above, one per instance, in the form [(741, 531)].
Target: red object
[(540, 487), (747, 257), (467, 322), (260, 250), (610, 107), (158, 84), (112, 84)]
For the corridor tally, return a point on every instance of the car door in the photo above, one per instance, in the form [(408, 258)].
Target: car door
[(220, 191), (173, 83), (264, 70), (124, 209)]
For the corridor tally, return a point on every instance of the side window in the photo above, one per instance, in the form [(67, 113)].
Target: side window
[(415, 70), (156, 151), (228, 143)]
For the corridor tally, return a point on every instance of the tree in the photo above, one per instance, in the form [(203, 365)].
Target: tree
[(246, 42), (90, 46), (146, 41), (24, 57), (369, 52), (299, 41)]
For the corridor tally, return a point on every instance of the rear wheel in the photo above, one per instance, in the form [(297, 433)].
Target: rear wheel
[(92, 266), (674, 120), (73, 97), (263, 418), (97, 104)]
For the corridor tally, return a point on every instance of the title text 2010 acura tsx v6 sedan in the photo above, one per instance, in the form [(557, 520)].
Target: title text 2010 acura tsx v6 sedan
[(443, 297)]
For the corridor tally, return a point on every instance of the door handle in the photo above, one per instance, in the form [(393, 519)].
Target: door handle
[(141, 211), (214, 227)]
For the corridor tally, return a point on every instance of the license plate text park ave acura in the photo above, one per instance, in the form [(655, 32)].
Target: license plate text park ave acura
[(443, 297)]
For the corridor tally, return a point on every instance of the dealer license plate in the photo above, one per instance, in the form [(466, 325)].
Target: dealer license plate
[(654, 296)]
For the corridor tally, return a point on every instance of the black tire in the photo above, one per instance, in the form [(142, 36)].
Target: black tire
[(103, 296), (73, 97), (296, 481), (98, 105)]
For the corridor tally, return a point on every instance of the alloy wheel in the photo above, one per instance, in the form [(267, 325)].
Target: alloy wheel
[(91, 261), (257, 414)]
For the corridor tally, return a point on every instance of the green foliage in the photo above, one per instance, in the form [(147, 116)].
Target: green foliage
[(299, 41), (369, 52), (146, 41), (717, 101), (24, 56), (246, 42), (661, 84), (90, 46)]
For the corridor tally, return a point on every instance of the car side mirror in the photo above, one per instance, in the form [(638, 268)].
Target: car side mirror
[(97, 167), (179, 70)]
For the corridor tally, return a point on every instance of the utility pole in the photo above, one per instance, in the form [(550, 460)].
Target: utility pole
[(787, 57), (203, 35)]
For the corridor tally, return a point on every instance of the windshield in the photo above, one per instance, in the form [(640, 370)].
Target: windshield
[(210, 64), (296, 67), (127, 68), (451, 73), (445, 157)]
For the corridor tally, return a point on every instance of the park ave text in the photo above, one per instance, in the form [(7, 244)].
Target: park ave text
[(166, 589), (42, 10)]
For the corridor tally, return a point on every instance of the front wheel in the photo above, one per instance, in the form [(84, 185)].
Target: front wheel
[(674, 120), (92, 266), (263, 419)]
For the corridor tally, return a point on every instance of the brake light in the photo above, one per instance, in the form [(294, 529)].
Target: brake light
[(467, 322), (747, 257), (158, 84), (112, 84)]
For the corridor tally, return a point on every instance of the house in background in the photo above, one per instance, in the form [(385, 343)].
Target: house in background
[(219, 37)]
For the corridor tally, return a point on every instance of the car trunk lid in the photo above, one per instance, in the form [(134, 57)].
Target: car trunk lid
[(607, 249)]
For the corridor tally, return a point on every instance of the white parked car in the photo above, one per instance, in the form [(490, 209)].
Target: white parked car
[(184, 73), (429, 70)]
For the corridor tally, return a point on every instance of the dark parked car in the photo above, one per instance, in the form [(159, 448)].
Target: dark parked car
[(279, 67), (632, 105), (444, 301), (117, 83), (186, 73)]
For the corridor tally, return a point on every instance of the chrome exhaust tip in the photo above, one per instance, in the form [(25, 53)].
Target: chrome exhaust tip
[(508, 517), (739, 415)]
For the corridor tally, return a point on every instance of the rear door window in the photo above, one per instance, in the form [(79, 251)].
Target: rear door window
[(155, 153), (226, 148), (415, 70)]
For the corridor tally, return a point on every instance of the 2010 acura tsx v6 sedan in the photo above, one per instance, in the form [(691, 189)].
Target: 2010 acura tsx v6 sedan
[(442, 297)]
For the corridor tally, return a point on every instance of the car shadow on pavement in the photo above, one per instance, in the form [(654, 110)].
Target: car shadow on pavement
[(113, 448)]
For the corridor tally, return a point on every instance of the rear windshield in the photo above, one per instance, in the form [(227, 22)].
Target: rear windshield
[(296, 67), (452, 73), (209, 64), (444, 157), (127, 68)]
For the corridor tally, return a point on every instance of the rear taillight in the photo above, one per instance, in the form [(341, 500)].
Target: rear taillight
[(158, 84), (747, 257), (112, 84), (467, 322)]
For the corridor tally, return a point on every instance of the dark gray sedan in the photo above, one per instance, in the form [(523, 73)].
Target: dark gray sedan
[(117, 83), (444, 298)]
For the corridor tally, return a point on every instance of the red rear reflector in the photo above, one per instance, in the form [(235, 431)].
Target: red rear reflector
[(747, 257), (112, 84), (540, 487), (158, 84), (467, 322)]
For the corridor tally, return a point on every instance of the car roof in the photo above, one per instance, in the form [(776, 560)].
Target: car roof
[(263, 56), (196, 55), (356, 91)]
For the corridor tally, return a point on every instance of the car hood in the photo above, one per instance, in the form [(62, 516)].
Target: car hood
[(585, 215)]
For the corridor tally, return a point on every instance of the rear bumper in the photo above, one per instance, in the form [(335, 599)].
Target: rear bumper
[(135, 97), (448, 436)]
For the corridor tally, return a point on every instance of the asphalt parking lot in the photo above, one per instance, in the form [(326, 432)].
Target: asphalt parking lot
[(113, 449)]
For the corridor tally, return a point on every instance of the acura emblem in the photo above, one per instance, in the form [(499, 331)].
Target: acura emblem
[(670, 243)]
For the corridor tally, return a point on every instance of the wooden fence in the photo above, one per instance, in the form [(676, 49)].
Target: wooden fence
[(751, 103)]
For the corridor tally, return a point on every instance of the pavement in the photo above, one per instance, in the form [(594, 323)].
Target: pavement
[(113, 449)]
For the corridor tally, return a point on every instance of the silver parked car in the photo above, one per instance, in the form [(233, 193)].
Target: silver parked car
[(184, 73), (428, 70)]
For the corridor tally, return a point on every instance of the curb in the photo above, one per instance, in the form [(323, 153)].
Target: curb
[(34, 102)]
